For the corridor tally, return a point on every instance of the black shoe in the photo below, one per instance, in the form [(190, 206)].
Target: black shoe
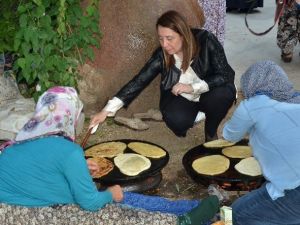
[(287, 58), (210, 138)]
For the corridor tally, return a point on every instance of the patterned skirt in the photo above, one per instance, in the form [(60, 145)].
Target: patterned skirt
[(288, 33), (215, 13), (112, 214)]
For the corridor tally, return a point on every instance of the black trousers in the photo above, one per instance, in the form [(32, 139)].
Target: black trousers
[(179, 113)]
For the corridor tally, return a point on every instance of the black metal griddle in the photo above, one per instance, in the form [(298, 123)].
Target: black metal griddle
[(116, 177), (229, 180)]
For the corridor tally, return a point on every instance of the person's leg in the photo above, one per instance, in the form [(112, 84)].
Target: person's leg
[(287, 33), (201, 214), (257, 208), (298, 26), (215, 104), (159, 204), (189, 212), (179, 114)]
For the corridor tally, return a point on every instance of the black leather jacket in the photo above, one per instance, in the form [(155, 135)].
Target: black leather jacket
[(210, 65)]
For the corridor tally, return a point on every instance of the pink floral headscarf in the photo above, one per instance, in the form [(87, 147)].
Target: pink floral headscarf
[(57, 111)]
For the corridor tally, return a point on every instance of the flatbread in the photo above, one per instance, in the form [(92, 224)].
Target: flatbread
[(105, 166), (147, 150), (219, 143), (107, 149), (132, 164), (249, 166), (238, 151), (211, 165)]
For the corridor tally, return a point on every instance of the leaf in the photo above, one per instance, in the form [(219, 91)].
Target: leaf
[(35, 43), (17, 43), (39, 11), (90, 53), (45, 21), (25, 48), (90, 10), (47, 50), (21, 9), (23, 20), (27, 34), (21, 63), (38, 2), (77, 11), (85, 22)]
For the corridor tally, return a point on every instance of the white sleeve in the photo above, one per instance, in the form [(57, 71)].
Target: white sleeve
[(113, 106), (200, 87)]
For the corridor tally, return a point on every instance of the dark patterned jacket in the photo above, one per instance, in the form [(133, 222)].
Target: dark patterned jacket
[(209, 65)]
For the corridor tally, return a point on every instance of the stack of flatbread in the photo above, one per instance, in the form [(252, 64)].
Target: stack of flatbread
[(107, 149), (219, 143), (147, 150), (105, 166), (237, 151), (132, 164), (211, 165)]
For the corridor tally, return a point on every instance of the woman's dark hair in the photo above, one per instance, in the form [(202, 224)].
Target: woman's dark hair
[(176, 22)]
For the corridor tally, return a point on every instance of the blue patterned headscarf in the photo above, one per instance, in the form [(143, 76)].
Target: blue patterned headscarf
[(267, 78)]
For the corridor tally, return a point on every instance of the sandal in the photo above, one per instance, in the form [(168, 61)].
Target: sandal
[(151, 114), (286, 57), (133, 123)]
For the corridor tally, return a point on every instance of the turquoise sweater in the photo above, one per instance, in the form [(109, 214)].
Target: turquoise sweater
[(48, 171)]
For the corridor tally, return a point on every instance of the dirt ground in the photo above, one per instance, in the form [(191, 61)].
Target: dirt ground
[(176, 183)]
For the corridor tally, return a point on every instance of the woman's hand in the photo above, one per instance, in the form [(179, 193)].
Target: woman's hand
[(117, 193), (180, 88), (93, 166), (98, 118)]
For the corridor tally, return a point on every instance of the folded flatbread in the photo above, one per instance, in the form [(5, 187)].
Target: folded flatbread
[(237, 151), (249, 166), (147, 150), (132, 164), (107, 149), (211, 165), (105, 166), (219, 143)]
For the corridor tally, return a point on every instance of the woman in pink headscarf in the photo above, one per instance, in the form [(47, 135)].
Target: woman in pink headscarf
[(45, 178)]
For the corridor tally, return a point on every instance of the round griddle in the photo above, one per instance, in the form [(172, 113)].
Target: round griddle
[(229, 180), (116, 177), (149, 183)]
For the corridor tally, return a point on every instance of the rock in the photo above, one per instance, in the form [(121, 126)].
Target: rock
[(15, 110)]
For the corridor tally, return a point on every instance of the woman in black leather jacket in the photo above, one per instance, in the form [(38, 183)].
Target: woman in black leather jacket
[(196, 79)]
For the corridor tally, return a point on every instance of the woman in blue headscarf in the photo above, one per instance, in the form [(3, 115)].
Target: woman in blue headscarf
[(270, 115)]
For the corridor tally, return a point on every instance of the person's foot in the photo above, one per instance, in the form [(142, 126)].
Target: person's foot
[(286, 57), (206, 210), (210, 138), (200, 116), (133, 123)]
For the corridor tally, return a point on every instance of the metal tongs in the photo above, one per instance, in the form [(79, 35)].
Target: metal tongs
[(90, 131)]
